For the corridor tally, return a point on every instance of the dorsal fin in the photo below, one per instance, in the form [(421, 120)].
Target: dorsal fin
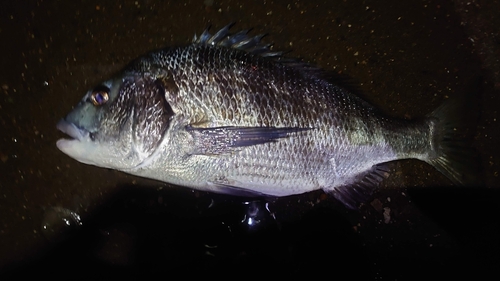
[(252, 44), (239, 40)]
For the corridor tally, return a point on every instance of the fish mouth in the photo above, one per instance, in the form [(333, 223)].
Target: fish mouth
[(79, 146), (76, 134)]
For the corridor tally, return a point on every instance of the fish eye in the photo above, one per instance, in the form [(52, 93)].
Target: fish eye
[(99, 96)]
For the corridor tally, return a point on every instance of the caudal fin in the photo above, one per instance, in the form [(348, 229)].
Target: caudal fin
[(452, 132)]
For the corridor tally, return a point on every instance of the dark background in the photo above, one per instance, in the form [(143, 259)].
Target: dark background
[(406, 56)]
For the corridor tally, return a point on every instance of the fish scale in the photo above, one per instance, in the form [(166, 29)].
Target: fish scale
[(232, 116)]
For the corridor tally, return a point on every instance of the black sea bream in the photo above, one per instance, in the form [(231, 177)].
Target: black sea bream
[(227, 114)]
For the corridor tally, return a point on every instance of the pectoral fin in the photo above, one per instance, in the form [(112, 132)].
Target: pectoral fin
[(227, 139)]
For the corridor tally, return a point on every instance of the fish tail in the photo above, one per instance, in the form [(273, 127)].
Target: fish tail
[(451, 140)]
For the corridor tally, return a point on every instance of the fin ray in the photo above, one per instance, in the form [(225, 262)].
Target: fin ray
[(358, 191), (225, 139), (453, 130), (239, 40)]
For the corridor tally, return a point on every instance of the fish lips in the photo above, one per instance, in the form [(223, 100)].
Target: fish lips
[(76, 134), (80, 146)]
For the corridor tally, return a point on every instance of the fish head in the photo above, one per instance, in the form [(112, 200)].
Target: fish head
[(118, 124)]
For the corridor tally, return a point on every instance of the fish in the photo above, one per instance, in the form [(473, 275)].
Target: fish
[(228, 114)]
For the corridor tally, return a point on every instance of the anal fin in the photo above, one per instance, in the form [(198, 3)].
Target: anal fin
[(361, 188)]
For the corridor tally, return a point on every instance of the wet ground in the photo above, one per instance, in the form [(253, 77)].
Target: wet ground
[(60, 217)]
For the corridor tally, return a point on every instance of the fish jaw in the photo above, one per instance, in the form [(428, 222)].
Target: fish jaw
[(89, 148), (79, 145)]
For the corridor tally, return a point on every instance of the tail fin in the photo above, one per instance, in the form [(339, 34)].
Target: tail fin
[(452, 133)]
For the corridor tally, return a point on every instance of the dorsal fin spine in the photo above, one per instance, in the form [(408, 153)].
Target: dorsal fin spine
[(239, 40)]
